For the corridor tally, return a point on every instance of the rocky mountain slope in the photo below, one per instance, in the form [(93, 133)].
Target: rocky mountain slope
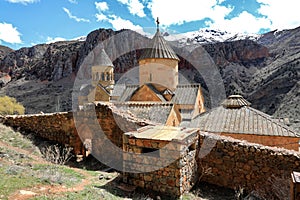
[(263, 68)]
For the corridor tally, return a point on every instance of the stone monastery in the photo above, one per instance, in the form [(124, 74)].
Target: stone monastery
[(180, 112), (159, 97), (163, 134)]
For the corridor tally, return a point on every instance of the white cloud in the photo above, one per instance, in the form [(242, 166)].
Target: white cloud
[(282, 14), (77, 19), (135, 7), (9, 34), (116, 21), (101, 17), (275, 14), (244, 22), (119, 23), (101, 6), (23, 1), (56, 39), (178, 11), (73, 1)]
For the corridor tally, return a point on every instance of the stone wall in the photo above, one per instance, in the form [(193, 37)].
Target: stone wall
[(236, 163), (150, 171), (291, 143), (233, 163), (230, 163), (57, 127), (60, 127)]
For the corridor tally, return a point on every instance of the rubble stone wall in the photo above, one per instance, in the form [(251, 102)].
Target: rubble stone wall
[(234, 163), (291, 143), (60, 127), (218, 160), (173, 179)]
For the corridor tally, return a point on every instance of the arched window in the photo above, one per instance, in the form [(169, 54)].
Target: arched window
[(103, 76)]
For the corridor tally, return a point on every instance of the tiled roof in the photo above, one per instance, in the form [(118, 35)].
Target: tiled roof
[(118, 90), (186, 114), (156, 112), (235, 101), (127, 93), (100, 57), (159, 49), (241, 120), (186, 94), (183, 95)]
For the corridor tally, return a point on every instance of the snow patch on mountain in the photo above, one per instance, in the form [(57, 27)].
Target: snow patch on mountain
[(204, 36)]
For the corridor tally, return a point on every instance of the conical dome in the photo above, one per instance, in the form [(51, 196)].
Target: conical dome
[(159, 49), (100, 57), (235, 101)]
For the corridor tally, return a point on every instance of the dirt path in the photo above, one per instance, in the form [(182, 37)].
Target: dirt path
[(40, 190)]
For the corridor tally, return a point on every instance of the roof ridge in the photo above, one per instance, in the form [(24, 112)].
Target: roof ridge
[(145, 103)]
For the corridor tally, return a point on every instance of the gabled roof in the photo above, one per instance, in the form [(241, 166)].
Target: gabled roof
[(127, 93), (158, 93), (241, 120), (103, 88), (118, 90), (183, 95), (159, 49), (186, 94), (153, 111)]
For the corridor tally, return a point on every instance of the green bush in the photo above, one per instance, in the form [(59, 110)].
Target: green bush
[(10, 106)]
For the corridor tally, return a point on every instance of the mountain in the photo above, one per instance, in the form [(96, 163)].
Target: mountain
[(4, 51), (264, 68), (204, 36)]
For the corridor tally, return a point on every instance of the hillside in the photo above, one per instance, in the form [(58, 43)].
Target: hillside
[(263, 68), (4, 51)]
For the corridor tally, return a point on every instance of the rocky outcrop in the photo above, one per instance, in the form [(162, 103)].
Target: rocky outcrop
[(245, 52), (43, 62), (4, 51)]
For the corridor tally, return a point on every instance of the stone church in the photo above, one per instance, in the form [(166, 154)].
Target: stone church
[(158, 87), (159, 97)]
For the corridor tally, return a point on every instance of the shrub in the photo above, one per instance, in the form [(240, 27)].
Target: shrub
[(10, 106), (57, 154)]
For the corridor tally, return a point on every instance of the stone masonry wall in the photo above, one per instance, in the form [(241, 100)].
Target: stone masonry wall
[(60, 127), (174, 179), (291, 143), (236, 163), (57, 127), (232, 164)]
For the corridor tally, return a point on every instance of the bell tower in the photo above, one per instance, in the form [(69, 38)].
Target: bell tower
[(102, 70), (159, 63)]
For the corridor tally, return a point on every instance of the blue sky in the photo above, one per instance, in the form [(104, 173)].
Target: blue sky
[(25, 23)]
